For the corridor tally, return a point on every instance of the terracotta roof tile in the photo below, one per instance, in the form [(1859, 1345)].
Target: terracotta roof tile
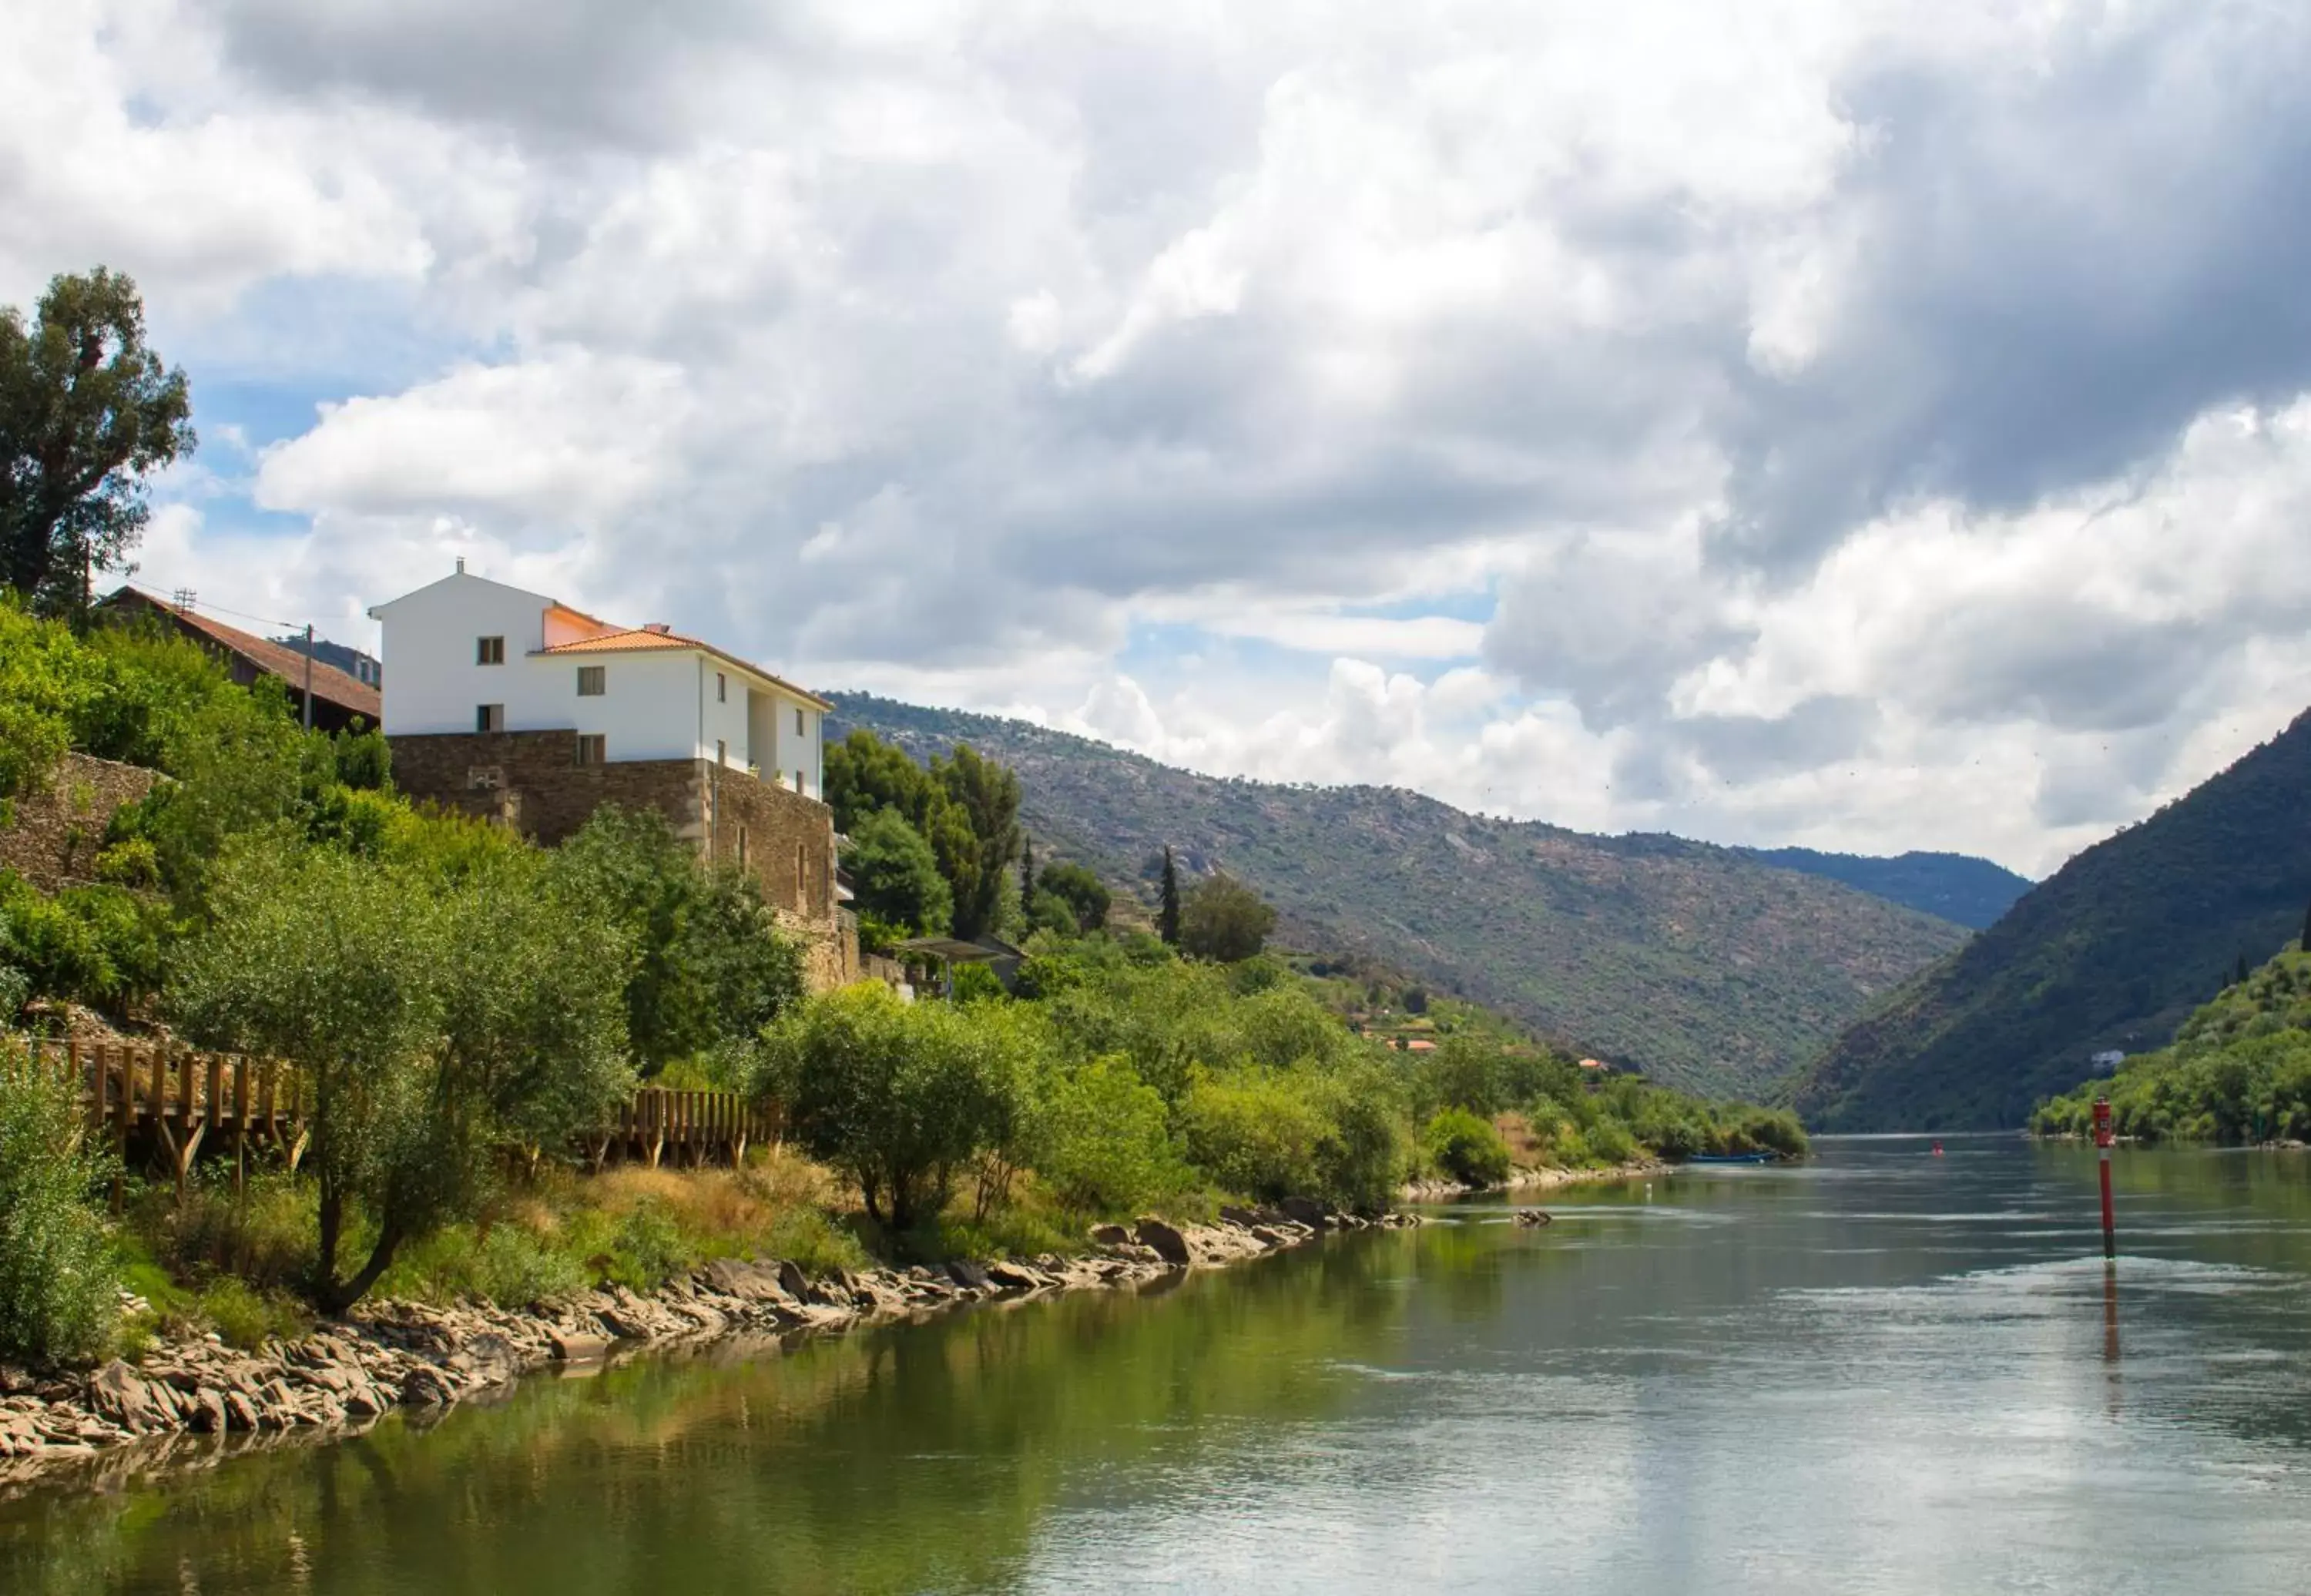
[(330, 685), (636, 639)]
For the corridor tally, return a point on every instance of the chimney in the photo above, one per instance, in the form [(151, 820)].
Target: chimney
[(660, 627), (461, 564)]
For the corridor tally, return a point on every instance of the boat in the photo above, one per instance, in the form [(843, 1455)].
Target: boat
[(1735, 1158)]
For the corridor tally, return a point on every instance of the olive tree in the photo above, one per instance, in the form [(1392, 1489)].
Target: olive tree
[(1225, 920), (431, 1019)]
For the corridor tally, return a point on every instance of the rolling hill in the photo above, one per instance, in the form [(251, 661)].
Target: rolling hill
[(2114, 951), (1702, 966), (1956, 886)]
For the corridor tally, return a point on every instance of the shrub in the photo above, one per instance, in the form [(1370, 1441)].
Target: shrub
[(246, 1317), (1467, 1149), (1108, 1149), (1254, 1135), (58, 1290)]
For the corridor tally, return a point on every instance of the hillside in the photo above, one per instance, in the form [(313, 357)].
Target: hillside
[(2113, 951), (1956, 886), (1703, 968), (2239, 1070)]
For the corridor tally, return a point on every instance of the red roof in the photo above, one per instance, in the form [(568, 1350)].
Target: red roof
[(330, 685), (635, 639)]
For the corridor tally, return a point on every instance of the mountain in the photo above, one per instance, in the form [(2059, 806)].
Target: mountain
[(1703, 967), (2114, 951), (1956, 886)]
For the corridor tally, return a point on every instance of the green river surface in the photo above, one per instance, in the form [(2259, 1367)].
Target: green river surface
[(1879, 1371)]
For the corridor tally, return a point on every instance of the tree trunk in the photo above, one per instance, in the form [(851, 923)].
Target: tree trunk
[(332, 1216), (337, 1298)]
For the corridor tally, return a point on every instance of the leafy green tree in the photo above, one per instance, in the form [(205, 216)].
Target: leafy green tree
[(1026, 870), (899, 1097), (1085, 894), (44, 680), (710, 961), (1049, 911), (987, 794), (431, 1020), (896, 876), (58, 1289), (1108, 1144), (1225, 920), (87, 413), (1168, 913)]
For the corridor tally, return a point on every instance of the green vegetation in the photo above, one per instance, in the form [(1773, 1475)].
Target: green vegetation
[(2240, 1071), (966, 808), (1969, 892), (56, 1279), (1225, 920), (87, 413), (2113, 952), (1696, 964)]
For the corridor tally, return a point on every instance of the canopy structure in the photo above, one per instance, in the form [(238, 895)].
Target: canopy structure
[(955, 951)]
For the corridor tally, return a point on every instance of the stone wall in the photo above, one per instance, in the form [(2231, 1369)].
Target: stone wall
[(532, 781), (59, 826)]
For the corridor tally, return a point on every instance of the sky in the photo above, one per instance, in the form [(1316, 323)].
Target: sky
[(1870, 426)]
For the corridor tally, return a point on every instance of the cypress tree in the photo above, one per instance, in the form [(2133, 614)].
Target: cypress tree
[(1026, 872), (2307, 930), (2242, 969), (1167, 919)]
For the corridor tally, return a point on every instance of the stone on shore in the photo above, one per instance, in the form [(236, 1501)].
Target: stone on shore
[(1169, 1244)]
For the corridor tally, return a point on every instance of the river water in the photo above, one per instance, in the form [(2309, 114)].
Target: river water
[(1882, 1371)]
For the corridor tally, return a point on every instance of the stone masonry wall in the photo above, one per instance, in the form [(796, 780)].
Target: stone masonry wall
[(532, 782), (59, 826)]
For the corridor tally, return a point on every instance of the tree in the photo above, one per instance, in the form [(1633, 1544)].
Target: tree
[(987, 794), (896, 1097), (2306, 944), (58, 1295), (1225, 920), (711, 963), (430, 1021), (87, 413), (1026, 870), (1167, 914), (896, 876), (1085, 894)]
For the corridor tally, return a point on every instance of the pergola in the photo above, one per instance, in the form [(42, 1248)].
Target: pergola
[(951, 951)]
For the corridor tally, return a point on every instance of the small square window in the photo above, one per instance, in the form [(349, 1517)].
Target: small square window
[(721, 688), (593, 680), (489, 650), (489, 717), (593, 748)]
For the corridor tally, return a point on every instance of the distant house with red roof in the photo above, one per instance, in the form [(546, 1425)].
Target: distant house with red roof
[(339, 699)]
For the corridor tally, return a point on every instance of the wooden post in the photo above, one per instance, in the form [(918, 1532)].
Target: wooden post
[(239, 1122)]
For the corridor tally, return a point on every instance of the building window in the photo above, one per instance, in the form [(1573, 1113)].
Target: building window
[(721, 688), (593, 680), (489, 650), (593, 748), (721, 752), (797, 723), (489, 717)]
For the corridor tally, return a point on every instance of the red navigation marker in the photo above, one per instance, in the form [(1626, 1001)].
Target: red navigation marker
[(2103, 1138)]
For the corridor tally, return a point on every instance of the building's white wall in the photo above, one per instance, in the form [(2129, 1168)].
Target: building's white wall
[(429, 638), (649, 707), (726, 720), (798, 762)]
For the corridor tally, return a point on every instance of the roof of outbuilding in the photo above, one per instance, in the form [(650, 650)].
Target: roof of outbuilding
[(330, 685)]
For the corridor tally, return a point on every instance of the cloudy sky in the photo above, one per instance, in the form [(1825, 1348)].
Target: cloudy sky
[(1869, 426)]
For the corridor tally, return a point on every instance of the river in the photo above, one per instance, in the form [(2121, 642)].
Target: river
[(1880, 1371)]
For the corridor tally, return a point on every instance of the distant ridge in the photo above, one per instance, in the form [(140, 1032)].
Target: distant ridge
[(1699, 964), (1958, 886), (2114, 951)]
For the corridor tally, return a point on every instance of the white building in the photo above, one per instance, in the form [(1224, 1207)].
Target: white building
[(467, 655)]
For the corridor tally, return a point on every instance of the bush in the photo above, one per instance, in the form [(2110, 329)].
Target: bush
[(99, 946), (1108, 1148), (1254, 1135), (247, 1318), (1467, 1149), (58, 1289)]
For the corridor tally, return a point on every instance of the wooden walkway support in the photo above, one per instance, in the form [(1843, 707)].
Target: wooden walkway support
[(685, 1128), (166, 1105)]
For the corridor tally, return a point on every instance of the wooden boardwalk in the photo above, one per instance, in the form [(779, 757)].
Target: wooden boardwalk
[(167, 1107)]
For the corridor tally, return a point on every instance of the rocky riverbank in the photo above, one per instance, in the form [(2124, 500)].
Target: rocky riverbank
[(389, 1356), (1536, 1180)]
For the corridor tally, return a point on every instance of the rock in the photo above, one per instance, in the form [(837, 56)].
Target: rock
[(239, 1412), (1110, 1235), (1307, 1211), (791, 1278), (748, 1282), (968, 1275), (1010, 1277), (425, 1386), (1247, 1217), (576, 1347), (117, 1393), (1169, 1244)]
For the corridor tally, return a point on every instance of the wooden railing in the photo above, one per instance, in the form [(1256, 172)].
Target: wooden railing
[(172, 1105)]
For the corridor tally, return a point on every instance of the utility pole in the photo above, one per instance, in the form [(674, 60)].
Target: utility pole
[(309, 675)]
